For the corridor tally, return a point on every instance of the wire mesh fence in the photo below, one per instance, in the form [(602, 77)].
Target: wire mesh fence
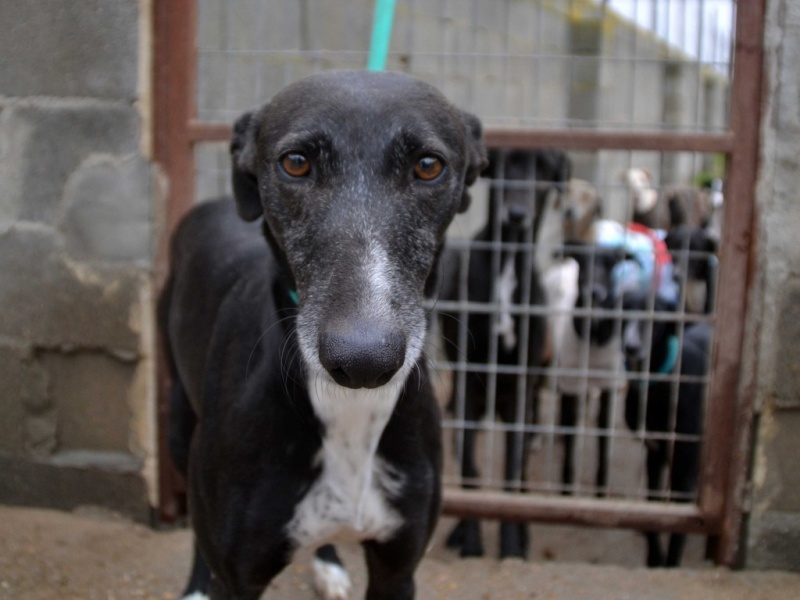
[(565, 329)]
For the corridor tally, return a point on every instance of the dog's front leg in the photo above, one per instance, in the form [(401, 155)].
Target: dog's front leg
[(218, 591), (656, 459), (568, 420), (391, 568), (224, 590), (514, 534), (603, 443), (466, 535)]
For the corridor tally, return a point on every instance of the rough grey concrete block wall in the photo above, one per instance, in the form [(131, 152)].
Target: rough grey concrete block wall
[(774, 535), (76, 241), (61, 49)]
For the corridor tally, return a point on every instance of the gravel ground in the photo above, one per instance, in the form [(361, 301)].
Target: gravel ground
[(91, 555)]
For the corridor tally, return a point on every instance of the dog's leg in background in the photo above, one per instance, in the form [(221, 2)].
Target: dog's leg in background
[(677, 541), (514, 534), (467, 533), (568, 419), (603, 442), (656, 459)]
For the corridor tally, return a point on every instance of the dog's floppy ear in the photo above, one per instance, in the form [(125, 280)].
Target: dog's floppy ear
[(493, 159), (564, 170), (556, 164), (476, 155), (243, 158)]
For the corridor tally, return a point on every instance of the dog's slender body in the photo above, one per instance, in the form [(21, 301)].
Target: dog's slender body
[(297, 359), (516, 201), (653, 407)]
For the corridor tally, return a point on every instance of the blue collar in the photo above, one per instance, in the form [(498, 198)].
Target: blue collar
[(672, 356)]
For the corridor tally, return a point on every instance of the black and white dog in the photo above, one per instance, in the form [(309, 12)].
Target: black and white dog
[(588, 351), (522, 180), (656, 409), (300, 355)]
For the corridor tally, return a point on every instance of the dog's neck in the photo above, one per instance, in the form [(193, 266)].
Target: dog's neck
[(348, 499), (285, 288)]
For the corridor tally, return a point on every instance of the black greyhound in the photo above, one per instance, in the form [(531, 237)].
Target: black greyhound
[(694, 254), (655, 407), (300, 355), (522, 181)]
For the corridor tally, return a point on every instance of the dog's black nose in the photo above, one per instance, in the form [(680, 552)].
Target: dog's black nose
[(516, 214), (363, 357)]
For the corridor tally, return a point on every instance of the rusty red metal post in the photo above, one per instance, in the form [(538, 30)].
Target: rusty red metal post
[(175, 60)]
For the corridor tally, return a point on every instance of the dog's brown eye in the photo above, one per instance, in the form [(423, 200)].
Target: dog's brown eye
[(296, 165), (428, 168)]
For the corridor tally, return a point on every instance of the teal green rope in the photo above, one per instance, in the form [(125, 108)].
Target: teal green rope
[(381, 35), (672, 355)]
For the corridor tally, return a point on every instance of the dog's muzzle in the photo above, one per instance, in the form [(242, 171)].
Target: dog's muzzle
[(366, 356)]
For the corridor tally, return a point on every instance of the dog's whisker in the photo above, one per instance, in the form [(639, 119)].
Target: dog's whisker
[(255, 345)]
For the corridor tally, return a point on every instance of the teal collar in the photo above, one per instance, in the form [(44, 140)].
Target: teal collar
[(294, 297), (672, 356)]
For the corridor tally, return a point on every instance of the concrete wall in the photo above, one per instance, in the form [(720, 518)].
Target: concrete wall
[(76, 241), (774, 529)]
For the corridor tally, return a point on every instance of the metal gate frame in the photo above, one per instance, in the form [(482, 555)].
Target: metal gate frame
[(721, 508)]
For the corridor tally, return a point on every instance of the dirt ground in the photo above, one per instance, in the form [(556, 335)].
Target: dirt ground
[(92, 555)]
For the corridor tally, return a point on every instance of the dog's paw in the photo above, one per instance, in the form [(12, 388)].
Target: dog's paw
[(195, 596), (466, 536), (331, 580), (513, 540), (456, 537)]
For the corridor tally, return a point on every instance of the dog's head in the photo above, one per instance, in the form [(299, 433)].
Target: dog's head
[(521, 181), (689, 206), (643, 195), (597, 289), (693, 251), (580, 207), (358, 175)]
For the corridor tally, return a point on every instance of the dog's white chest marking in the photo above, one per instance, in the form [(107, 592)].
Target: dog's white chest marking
[(506, 285), (349, 500)]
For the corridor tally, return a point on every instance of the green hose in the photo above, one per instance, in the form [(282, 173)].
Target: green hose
[(381, 35)]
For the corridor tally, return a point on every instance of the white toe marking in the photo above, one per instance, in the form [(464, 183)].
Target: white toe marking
[(331, 580), (195, 596)]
